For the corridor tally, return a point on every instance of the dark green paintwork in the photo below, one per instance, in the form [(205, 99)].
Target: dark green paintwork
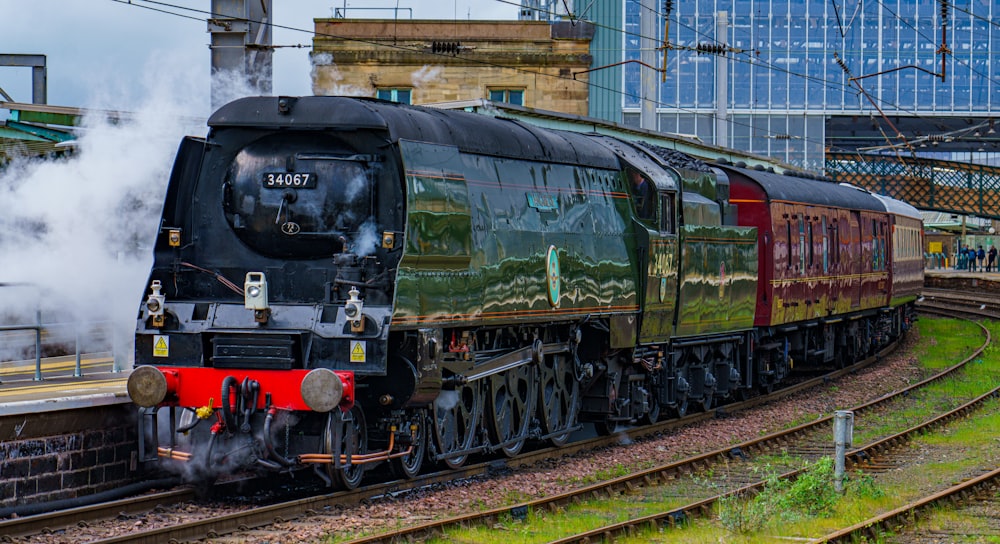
[(718, 279), (702, 183), (485, 263), (479, 229), (718, 265)]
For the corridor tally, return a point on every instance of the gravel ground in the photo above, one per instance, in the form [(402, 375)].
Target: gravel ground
[(893, 373), (554, 476)]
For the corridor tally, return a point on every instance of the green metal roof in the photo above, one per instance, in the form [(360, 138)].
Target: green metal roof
[(36, 130)]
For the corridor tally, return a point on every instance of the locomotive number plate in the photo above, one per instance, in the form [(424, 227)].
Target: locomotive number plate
[(295, 180)]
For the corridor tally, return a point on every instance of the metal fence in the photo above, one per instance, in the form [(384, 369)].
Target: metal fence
[(56, 337)]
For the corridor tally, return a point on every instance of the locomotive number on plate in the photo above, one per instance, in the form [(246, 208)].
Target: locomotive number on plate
[(296, 180)]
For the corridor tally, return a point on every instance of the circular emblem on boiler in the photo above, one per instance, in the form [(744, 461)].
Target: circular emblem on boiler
[(290, 228), (552, 275)]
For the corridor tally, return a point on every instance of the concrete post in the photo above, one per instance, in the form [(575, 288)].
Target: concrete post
[(722, 82), (647, 54), (843, 436)]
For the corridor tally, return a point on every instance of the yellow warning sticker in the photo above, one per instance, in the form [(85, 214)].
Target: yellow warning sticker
[(357, 351), (161, 345)]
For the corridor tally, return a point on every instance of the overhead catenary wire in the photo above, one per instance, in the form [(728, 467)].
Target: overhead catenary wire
[(707, 47), (140, 4)]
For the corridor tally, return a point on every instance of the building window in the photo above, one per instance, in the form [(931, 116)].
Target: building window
[(394, 95), (510, 96)]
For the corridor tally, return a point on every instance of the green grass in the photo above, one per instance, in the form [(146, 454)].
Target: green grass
[(976, 378), (806, 509)]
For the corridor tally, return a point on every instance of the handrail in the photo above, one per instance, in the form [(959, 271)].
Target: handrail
[(39, 327)]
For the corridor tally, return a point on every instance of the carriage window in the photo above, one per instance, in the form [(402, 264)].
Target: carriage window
[(788, 242), (802, 247), (812, 246), (826, 247)]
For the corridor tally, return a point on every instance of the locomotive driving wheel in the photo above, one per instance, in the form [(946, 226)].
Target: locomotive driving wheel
[(408, 466), (681, 407), (456, 414), (512, 403), (654, 413), (558, 397), (347, 429)]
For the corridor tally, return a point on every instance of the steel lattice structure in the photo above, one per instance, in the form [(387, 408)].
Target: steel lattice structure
[(927, 184)]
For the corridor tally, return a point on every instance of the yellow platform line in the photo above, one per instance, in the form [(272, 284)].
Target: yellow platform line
[(43, 387), (24, 368)]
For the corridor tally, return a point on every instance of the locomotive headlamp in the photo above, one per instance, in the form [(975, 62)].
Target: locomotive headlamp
[(154, 303), (255, 296), (352, 309)]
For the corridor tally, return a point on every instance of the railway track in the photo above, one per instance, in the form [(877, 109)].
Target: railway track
[(807, 441), (974, 304), (981, 488), (239, 522), (160, 504)]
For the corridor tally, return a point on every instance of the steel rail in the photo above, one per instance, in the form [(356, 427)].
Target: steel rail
[(859, 457), (81, 516), (671, 471), (904, 515), (289, 510)]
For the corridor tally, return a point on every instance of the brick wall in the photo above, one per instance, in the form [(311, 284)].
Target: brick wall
[(63, 455)]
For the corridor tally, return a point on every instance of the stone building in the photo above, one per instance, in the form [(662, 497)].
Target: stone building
[(529, 63)]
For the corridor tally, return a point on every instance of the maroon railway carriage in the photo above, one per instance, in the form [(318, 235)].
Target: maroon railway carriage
[(823, 266), (906, 258)]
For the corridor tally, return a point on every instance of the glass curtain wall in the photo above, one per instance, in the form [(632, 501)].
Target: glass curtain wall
[(786, 77)]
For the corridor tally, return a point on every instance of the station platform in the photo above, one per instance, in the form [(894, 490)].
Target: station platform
[(949, 278), (59, 387)]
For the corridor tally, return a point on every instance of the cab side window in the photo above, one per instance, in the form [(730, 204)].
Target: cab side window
[(643, 194)]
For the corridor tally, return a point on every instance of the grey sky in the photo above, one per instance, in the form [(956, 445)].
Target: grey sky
[(103, 53)]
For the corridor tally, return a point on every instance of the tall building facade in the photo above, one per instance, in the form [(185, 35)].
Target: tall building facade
[(536, 64), (788, 73)]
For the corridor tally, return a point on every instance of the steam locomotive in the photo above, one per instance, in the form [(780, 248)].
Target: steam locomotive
[(347, 283)]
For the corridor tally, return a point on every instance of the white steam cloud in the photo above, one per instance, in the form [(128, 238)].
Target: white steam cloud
[(76, 233), (327, 79), (425, 75), (367, 239)]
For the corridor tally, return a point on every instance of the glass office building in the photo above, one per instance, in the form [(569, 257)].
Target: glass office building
[(785, 79)]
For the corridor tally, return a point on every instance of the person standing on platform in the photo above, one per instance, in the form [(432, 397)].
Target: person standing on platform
[(971, 257), (991, 259), (981, 255)]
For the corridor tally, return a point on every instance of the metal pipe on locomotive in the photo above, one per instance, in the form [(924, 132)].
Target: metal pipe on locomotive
[(425, 285)]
